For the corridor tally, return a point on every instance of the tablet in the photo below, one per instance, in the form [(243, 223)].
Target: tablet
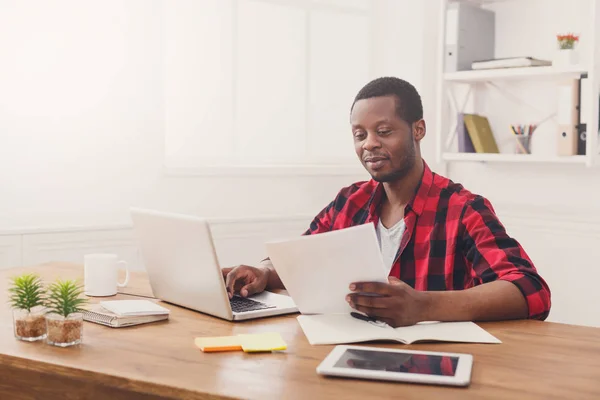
[(398, 365)]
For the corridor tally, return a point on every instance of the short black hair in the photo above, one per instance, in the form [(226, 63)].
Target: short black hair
[(408, 101)]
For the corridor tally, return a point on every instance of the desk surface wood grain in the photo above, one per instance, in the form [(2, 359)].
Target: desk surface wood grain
[(535, 360)]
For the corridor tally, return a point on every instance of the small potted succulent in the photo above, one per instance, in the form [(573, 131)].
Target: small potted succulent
[(64, 320), (27, 297)]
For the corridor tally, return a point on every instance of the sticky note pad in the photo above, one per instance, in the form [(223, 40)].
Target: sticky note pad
[(262, 342), (218, 343)]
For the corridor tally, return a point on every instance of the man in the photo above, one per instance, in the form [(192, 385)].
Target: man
[(450, 258)]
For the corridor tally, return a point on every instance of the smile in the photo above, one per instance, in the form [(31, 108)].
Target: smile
[(376, 162)]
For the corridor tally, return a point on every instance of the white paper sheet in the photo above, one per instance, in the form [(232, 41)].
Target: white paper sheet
[(318, 269), (134, 307), (343, 328)]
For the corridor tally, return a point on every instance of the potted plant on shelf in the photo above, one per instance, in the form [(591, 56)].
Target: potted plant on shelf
[(64, 319), (566, 52), (27, 301)]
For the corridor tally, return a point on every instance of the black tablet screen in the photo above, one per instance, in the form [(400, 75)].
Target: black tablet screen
[(398, 362)]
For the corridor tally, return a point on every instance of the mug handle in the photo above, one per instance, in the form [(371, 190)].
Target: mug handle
[(126, 274)]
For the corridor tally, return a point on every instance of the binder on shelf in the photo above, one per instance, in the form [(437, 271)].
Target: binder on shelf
[(465, 144), (470, 35), (568, 117), (581, 139), (582, 129), (481, 134)]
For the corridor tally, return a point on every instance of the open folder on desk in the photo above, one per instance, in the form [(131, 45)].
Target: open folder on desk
[(343, 328), (317, 271)]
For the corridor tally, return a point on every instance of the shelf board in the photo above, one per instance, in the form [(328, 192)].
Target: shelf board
[(547, 73), (513, 158), (479, 2)]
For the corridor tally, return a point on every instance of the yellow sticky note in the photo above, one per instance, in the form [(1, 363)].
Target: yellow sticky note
[(218, 343), (262, 342)]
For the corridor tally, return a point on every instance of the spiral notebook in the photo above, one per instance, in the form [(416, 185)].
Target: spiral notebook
[(102, 316)]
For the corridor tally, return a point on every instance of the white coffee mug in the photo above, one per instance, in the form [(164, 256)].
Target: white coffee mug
[(101, 274)]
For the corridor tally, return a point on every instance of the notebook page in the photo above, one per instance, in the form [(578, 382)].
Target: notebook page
[(134, 307), (466, 332), (342, 328)]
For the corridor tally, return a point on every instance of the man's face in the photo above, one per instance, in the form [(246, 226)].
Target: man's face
[(384, 143)]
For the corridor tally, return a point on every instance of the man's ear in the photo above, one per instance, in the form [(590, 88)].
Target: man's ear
[(419, 130)]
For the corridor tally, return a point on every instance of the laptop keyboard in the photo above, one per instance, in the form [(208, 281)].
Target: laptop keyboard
[(242, 304)]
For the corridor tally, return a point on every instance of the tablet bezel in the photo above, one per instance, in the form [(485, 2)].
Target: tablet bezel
[(462, 376)]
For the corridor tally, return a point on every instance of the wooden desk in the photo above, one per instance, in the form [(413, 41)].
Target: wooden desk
[(535, 360)]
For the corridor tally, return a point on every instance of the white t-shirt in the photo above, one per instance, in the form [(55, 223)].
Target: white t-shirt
[(389, 241)]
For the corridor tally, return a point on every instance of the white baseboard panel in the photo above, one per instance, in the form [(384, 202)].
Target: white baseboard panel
[(237, 241), (10, 251), (72, 246)]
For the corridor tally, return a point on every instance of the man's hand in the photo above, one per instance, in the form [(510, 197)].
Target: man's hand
[(395, 303), (245, 280)]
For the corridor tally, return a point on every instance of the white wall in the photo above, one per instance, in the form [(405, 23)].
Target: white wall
[(258, 83), (403, 37), (82, 124)]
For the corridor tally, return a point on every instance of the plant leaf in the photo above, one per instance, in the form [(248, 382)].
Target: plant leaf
[(26, 292), (64, 297)]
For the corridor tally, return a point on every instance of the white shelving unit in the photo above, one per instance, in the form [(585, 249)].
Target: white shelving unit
[(537, 73), (512, 158), (473, 81)]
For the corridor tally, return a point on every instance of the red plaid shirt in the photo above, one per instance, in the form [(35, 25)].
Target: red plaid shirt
[(453, 239)]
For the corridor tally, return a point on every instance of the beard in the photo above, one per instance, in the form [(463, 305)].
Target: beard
[(406, 164)]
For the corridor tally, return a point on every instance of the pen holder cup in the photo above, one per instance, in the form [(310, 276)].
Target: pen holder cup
[(523, 144)]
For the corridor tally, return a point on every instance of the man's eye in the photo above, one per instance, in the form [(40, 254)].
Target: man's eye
[(359, 135), (384, 133)]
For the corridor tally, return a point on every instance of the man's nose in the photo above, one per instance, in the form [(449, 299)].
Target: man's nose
[(371, 142)]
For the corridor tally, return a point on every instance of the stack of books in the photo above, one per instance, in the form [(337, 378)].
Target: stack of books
[(511, 62), (122, 313)]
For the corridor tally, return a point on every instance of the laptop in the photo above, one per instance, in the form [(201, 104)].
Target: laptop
[(181, 262)]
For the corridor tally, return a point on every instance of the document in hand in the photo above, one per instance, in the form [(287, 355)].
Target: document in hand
[(317, 269), (343, 328)]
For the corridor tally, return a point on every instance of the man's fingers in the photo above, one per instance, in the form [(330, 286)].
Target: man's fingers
[(248, 290), (226, 272), (230, 282), (377, 313), (241, 279), (385, 289), (368, 301)]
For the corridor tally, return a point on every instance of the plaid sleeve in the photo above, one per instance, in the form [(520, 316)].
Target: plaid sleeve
[(494, 255), (322, 221)]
